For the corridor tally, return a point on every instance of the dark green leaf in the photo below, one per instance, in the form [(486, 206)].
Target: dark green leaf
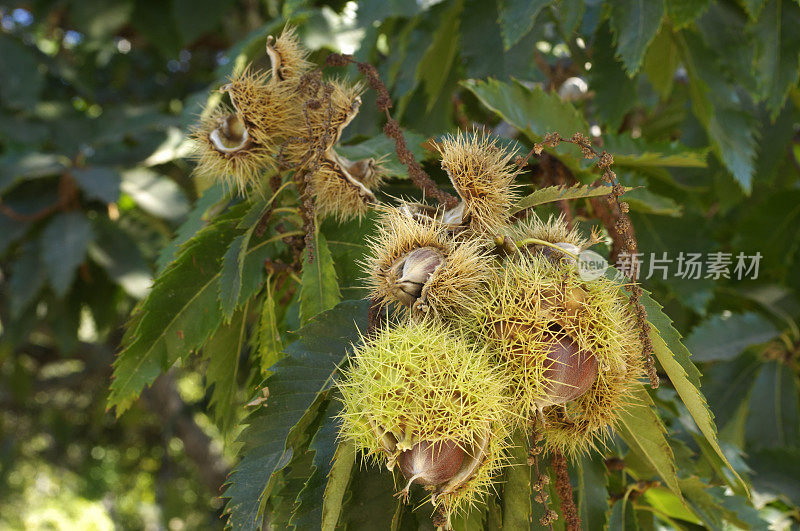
[(196, 17), (435, 66), (212, 200), (635, 23), (623, 515), (222, 351), (269, 337), (98, 183), (592, 495), (732, 131), (724, 337), (29, 166), (777, 42), (181, 311), (728, 384), (27, 278), (517, 18), (645, 201), (684, 12), (23, 81), (320, 290), (615, 92), (753, 7), (347, 243), (776, 472), (643, 431), (532, 111), (774, 419), (63, 248), (372, 505), (338, 479), (311, 503), (661, 62), (298, 379)]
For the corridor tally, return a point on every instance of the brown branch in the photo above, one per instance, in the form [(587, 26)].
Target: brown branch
[(564, 490), (393, 130)]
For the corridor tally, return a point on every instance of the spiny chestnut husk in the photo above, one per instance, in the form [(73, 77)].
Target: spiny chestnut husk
[(417, 262), (572, 347), (225, 149), (421, 398), (288, 118), (343, 188), (555, 231), (288, 56), (483, 174)]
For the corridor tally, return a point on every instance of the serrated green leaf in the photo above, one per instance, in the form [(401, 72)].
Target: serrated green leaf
[(472, 520), (684, 12), (635, 23), (181, 311), (320, 289), (551, 194), (638, 154), (230, 285), (372, 504), (63, 245), (269, 337), (777, 42), (517, 17), (338, 479), (644, 201), (592, 492), (310, 503), (213, 199), (774, 418), (517, 487), (671, 337), (731, 130), (661, 62), (701, 501), (615, 91), (435, 66), (534, 112), (222, 351), (347, 243), (684, 376), (722, 337), (298, 380), (642, 429)]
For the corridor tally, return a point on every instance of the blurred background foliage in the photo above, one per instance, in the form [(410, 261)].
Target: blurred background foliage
[(697, 99)]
